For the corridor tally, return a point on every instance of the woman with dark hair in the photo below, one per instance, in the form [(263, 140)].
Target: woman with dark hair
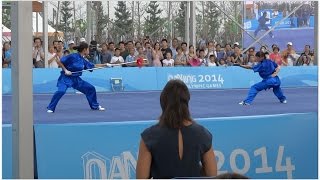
[(176, 145), (157, 55), (70, 77)]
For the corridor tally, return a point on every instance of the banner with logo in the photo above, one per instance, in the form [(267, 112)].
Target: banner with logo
[(155, 78), (272, 146)]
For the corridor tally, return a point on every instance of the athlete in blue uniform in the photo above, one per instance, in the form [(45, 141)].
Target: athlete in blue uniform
[(72, 63), (268, 71)]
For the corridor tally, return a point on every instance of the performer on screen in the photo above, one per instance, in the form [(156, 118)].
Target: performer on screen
[(268, 71), (262, 25), (73, 63)]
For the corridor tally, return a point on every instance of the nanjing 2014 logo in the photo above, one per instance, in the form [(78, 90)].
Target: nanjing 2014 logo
[(97, 166)]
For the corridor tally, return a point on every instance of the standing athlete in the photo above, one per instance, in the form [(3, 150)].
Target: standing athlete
[(70, 77), (262, 25), (268, 71)]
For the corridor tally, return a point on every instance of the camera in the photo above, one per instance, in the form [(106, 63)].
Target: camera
[(93, 46), (93, 49)]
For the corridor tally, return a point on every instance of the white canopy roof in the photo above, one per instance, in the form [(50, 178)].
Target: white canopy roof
[(40, 24), (5, 29)]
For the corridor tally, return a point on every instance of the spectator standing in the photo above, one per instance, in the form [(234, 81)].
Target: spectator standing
[(117, 59), (165, 48), (176, 145), (7, 55), (38, 53), (212, 61), (180, 59), (168, 62), (148, 52), (157, 55), (105, 55), (174, 47), (276, 56), (52, 57)]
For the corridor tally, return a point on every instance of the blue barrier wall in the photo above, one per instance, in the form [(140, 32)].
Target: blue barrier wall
[(6, 151), (151, 78), (273, 146)]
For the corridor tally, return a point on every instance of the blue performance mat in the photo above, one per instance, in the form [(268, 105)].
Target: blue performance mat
[(140, 106)]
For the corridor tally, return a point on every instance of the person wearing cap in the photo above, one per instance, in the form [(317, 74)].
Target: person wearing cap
[(71, 45), (268, 71), (289, 55), (82, 40), (236, 44), (262, 25)]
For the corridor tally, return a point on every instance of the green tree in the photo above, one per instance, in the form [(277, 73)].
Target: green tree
[(101, 20), (6, 17), (153, 20), (66, 17), (179, 22), (82, 26), (122, 19), (212, 22)]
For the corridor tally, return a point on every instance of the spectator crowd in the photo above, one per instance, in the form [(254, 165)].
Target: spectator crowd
[(163, 54)]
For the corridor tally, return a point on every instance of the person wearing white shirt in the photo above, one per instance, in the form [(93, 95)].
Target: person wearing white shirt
[(52, 57), (131, 58), (168, 62), (212, 61), (117, 59), (202, 58)]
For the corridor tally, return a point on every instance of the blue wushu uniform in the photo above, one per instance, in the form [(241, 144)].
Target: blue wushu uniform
[(265, 69), (74, 62)]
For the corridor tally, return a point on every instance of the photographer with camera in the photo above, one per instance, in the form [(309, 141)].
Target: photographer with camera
[(94, 54)]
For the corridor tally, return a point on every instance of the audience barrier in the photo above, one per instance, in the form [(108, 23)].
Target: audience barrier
[(153, 78), (271, 146)]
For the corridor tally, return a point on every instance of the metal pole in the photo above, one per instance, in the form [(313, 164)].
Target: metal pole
[(132, 20), (22, 100), (187, 24), (229, 17), (193, 23), (243, 21), (37, 22), (45, 31), (171, 22), (74, 19), (108, 28), (89, 21), (57, 21)]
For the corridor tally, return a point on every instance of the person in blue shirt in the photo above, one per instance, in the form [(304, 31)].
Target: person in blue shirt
[(262, 25), (70, 77), (268, 71)]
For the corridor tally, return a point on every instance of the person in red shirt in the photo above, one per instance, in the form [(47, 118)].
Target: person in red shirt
[(276, 56)]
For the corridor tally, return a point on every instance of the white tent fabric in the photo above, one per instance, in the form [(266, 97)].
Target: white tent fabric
[(34, 25), (6, 34), (40, 24), (5, 29)]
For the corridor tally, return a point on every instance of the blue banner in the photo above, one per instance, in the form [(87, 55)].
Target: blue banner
[(273, 146), (155, 78), (6, 151)]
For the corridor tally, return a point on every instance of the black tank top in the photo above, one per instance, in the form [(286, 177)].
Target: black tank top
[(163, 144)]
